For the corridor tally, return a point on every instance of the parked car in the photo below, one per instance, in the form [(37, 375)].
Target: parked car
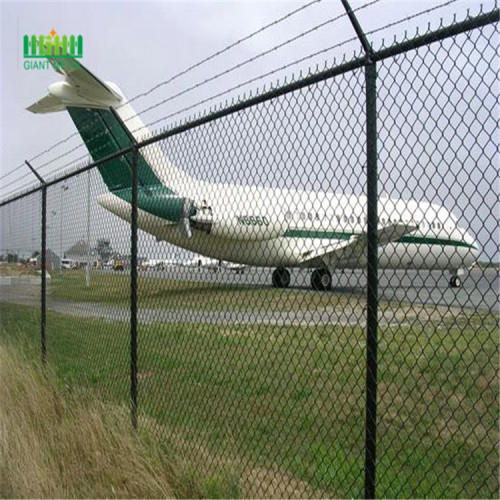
[(118, 265)]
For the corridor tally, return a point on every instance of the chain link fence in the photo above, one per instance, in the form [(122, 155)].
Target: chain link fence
[(296, 288)]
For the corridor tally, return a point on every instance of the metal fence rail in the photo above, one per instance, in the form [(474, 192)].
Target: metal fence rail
[(373, 179)]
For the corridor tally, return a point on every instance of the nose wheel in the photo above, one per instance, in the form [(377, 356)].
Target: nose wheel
[(321, 279), (281, 278)]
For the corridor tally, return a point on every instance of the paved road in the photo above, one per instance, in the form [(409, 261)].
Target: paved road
[(480, 291), (352, 314)]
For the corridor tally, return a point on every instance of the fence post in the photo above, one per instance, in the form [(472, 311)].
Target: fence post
[(133, 269), (372, 281), (133, 291), (372, 257), (43, 264), (44, 275)]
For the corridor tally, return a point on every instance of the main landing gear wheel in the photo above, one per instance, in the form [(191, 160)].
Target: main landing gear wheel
[(455, 282), (281, 278), (321, 279)]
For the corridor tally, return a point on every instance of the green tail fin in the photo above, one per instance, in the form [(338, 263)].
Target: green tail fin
[(104, 134)]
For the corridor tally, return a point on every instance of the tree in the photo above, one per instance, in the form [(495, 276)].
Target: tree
[(12, 257), (104, 249), (35, 254)]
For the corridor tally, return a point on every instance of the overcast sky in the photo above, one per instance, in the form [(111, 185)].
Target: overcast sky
[(141, 44)]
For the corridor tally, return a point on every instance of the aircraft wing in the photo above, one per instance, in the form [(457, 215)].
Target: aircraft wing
[(355, 248)]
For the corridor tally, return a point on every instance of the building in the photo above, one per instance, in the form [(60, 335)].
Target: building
[(79, 252), (52, 261)]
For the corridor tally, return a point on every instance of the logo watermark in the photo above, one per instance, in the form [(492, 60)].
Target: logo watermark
[(62, 51)]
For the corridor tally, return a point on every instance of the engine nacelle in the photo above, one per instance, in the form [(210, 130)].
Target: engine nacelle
[(167, 206), (160, 202)]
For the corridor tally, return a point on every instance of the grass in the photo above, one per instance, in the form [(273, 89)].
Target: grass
[(64, 445), (161, 293), (287, 403), (17, 270)]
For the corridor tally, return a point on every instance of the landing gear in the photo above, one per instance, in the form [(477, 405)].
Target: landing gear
[(321, 279), (281, 278), (455, 280)]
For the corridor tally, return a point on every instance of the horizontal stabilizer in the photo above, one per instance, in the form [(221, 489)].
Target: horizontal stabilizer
[(84, 79), (80, 88), (47, 104)]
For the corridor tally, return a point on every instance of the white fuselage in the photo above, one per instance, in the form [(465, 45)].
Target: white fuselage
[(274, 227), (262, 226), (277, 227)]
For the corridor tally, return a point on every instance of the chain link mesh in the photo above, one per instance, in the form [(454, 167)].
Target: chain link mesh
[(438, 114), (252, 282)]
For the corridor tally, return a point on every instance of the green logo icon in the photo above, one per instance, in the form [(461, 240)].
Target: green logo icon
[(53, 45)]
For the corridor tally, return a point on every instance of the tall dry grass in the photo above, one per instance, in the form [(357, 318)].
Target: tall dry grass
[(76, 446)]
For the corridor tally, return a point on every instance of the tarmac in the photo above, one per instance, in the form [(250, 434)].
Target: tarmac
[(423, 296)]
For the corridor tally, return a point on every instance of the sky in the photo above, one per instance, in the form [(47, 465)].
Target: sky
[(138, 45)]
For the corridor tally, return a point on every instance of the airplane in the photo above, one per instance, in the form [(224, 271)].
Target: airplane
[(215, 265), (200, 262), (250, 225), (156, 264), (233, 267)]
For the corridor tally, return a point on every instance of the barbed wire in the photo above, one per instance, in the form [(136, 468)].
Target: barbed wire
[(4, 176), (252, 59), (19, 188), (226, 49), (297, 61), (187, 108), (194, 66), (247, 82), (214, 77), (408, 18), (220, 94)]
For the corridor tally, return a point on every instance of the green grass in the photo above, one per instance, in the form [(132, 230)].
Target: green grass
[(160, 293), (17, 269), (291, 399), (61, 442)]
